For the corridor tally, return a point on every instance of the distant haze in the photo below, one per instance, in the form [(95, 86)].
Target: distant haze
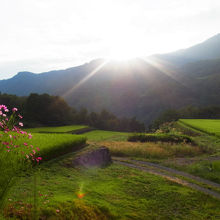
[(43, 35)]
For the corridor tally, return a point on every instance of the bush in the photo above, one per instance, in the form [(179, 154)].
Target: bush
[(174, 138)]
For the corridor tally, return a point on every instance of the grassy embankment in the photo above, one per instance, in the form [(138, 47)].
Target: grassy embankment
[(50, 145)]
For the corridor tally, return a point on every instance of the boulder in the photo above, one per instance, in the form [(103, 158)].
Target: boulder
[(94, 157)]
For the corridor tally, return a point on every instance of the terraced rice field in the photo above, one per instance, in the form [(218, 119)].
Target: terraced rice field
[(209, 126), (60, 129)]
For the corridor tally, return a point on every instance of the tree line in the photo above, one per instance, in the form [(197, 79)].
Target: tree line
[(47, 110), (188, 112)]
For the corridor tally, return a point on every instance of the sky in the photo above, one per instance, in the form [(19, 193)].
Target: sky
[(43, 35)]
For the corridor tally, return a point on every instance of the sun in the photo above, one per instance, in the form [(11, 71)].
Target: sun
[(119, 37), (121, 51), (124, 49)]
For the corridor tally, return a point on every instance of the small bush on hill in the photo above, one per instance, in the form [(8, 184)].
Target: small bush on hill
[(174, 138)]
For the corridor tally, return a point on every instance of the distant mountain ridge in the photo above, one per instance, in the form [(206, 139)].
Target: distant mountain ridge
[(207, 50), (141, 87)]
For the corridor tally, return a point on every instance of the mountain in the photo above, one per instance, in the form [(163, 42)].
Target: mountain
[(140, 87), (209, 49)]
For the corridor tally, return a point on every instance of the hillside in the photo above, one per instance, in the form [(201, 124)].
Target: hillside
[(139, 87)]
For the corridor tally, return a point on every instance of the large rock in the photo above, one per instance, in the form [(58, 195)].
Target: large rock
[(97, 157)]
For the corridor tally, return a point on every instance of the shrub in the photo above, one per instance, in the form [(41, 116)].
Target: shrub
[(173, 138)]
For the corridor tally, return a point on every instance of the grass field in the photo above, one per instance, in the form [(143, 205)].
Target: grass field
[(61, 129), (57, 191), (210, 126), (100, 135), (115, 192)]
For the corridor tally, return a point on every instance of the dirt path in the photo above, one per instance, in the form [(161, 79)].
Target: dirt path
[(157, 169)]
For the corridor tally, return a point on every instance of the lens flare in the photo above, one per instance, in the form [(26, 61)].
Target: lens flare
[(80, 194), (85, 79)]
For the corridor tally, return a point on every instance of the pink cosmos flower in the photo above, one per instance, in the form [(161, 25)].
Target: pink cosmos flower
[(21, 124), (3, 107), (14, 109)]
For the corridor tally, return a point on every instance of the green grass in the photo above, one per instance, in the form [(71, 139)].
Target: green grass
[(203, 168), (115, 192), (206, 169), (100, 135), (209, 126), (61, 129)]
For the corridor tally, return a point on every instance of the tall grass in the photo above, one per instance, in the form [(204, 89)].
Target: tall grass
[(151, 150)]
